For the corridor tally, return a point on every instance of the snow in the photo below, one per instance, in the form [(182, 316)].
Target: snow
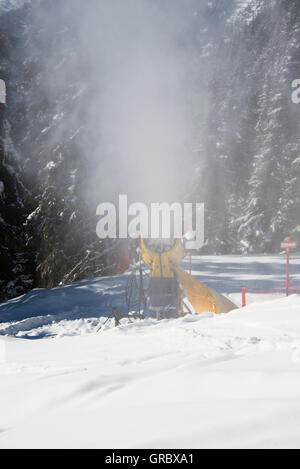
[(2, 92), (245, 9), (228, 381), (51, 165), (2, 189), (7, 5)]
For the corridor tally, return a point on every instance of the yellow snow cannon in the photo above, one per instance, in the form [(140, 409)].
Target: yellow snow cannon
[(166, 254), (164, 297), (168, 281)]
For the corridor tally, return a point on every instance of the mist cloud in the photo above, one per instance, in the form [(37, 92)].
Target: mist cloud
[(137, 60)]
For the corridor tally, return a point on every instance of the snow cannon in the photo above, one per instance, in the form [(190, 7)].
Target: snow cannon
[(169, 283), (164, 298)]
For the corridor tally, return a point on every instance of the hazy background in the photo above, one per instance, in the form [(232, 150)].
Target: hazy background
[(163, 100)]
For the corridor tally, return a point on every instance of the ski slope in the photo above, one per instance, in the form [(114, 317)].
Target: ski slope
[(228, 381)]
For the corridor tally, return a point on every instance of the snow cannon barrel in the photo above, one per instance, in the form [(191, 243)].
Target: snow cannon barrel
[(164, 296), (160, 255), (202, 298)]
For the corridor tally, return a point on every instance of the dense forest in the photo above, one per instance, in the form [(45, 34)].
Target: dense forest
[(160, 100)]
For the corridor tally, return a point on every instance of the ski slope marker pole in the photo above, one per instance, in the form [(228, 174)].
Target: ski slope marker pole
[(243, 297), (287, 271), (288, 245)]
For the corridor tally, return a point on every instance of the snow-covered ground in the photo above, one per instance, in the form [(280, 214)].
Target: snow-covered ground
[(201, 381)]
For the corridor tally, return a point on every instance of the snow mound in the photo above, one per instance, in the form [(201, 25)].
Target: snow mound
[(87, 299)]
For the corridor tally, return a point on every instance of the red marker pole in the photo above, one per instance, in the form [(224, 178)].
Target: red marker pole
[(287, 271), (243, 297), (288, 245)]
